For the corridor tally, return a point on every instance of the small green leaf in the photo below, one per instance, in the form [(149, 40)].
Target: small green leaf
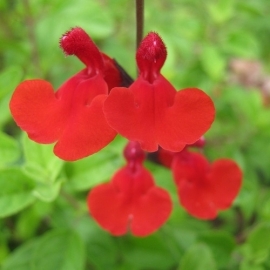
[(198, 257), (151, 252), (259, 242), (221, 245), (221, 10), (213, 62), (21, 258), (8, 81), (98, 243), (242, 44), (16, 191), (59, 249), (98, 168), (40, 162), (9, 149), (48, 192)]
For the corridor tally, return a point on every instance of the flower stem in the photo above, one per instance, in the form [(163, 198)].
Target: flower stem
[(139, 21)]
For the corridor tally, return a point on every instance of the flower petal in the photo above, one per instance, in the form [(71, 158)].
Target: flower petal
[(36, 110), (133, 201), (151, 211), (187, 120), (225, 179), (107, 206), (189, 167), (189, 170), (86, 132), (196, 201)]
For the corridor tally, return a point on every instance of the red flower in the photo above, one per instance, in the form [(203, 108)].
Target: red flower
[(151, 111), (130, 200), (72, 116), (205, 188)]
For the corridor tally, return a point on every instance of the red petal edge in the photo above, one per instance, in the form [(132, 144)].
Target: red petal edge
[(36, 110)]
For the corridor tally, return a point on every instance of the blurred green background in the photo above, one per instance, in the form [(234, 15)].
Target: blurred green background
[(219, 46)]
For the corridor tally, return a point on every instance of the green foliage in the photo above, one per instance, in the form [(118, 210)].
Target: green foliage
[(57, 249), (198, 257), (16, 191), (44, 219)]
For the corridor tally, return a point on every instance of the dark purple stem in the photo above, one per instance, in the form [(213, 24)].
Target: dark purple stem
[(139, 21)]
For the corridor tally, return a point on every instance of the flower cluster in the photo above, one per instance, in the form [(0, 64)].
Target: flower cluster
[(138, 205), (88, 110)]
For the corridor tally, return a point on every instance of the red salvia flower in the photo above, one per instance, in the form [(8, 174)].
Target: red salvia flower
[(205, 188), (131, 200), (72, 116), (151, 111)]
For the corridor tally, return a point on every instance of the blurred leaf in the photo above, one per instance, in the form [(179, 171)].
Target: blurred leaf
[(16, 191), (49, 191), (58, 249), (70, 14), (21, 258), (221, 244), (98, 168), (9, 79), (198, 257), (9, 149), (148, 253), (4, 251), (264, 208), (221, 10), (213, 62), (40, 162), (259, 242), (241, 43), (98, 243), (27, 223)]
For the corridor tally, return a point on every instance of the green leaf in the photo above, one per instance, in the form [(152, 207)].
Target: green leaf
[(198, 257), (221, 245), (98, 243), (9, 149), (21, 258), (213, 62), (9, 79), (49, 191), (259, 242), (57, 249), (242, 44), (16, 191), (148, 253), (98, 168), (40, 162), (221, 10)]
